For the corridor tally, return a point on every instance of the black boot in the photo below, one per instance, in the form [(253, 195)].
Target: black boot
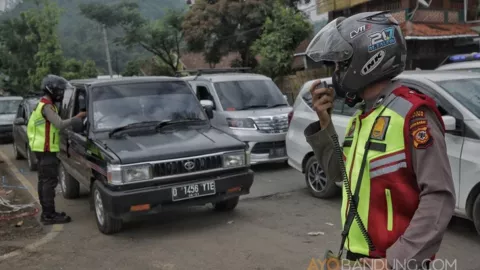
[(55, 218)]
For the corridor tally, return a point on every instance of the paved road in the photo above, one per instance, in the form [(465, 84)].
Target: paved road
[(265, 232)]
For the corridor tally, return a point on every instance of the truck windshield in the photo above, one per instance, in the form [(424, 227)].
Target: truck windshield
[(8, 106), (246, 95), (119, 105), (466, 92)]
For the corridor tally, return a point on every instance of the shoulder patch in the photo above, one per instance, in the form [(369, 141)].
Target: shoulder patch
[(418, 114), (380, 128), (421, 137)]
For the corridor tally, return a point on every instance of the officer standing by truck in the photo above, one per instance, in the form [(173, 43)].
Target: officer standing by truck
[(397, 170), (43, 136)]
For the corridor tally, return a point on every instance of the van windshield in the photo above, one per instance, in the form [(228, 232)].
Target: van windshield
[(248, 95), (8, 106), (119, 105)]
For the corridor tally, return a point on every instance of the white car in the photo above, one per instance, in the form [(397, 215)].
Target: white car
[(458, 98), (461, 62)]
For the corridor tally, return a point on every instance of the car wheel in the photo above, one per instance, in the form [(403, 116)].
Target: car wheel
[(317, 182), (32, 163), (69, 186), (16, 153), (105, 223), (476, 213), (227, 205)]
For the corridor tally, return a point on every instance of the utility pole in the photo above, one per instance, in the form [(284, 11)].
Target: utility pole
[(107, 50)]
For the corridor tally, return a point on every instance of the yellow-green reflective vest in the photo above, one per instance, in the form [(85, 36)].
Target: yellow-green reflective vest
[(389, 193), (42, 135)]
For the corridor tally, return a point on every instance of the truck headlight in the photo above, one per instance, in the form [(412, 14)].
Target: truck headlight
[(136, 173), (241, 123), (236, 159)]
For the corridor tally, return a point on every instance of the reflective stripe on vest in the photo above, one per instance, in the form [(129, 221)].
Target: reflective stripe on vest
[(386, 178), (42, 135)]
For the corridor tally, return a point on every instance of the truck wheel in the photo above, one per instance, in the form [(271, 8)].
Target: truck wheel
[(476, 213), (227, 205), (105, 223), (70, 187), (32, 163), (317, 182), (16, 154)]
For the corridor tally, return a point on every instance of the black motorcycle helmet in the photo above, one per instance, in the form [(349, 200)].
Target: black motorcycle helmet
[(367, 48), (54, 86)]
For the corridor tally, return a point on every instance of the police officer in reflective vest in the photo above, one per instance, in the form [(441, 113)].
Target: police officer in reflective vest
[(43, 136), (394, 151)]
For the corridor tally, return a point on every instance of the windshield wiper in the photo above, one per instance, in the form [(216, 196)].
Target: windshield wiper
[(133, 125), (278, 105), (166, 123), (254, 106)]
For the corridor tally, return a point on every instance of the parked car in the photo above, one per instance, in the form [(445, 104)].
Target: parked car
[(147, 145), (8, 109), (21, 148), (249, 107), (458, 98), (461, 62)]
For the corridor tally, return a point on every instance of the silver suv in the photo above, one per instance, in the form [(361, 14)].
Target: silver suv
[(248, 106)]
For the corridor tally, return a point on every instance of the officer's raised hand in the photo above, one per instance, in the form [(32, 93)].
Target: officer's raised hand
[(322, 101)]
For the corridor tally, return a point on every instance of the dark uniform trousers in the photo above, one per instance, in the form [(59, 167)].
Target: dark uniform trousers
[(47, 180)]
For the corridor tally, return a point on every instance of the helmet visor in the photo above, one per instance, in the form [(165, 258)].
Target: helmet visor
[(329, 45)]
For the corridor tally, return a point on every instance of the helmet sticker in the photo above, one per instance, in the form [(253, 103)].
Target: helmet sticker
[(362, 29), (382, 39), (373, 63)]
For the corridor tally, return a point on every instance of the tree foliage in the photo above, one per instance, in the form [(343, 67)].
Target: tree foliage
[(163, 38), (75, 69), (221, 26), (30, 49), (283, 31)]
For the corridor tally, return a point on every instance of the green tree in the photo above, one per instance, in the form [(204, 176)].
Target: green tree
[(221, 26), (163, 38), (49, 57), (283, 31), (75, 69)]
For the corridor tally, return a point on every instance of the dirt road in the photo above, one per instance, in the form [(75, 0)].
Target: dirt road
[(265, 232)]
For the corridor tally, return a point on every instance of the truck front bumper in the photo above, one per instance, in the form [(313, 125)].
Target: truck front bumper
[(119, 204)]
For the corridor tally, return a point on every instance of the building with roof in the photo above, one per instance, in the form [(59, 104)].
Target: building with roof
[(432, 33)]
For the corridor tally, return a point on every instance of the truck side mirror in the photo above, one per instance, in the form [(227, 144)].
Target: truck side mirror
[(208, 107)]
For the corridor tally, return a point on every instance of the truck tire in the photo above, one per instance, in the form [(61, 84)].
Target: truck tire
[(69, 186), (317, 182), (227, 205), (106, 224), (476, 213)]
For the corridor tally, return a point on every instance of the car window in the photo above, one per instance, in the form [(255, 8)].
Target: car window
[(249, 94), (466, 92), (119, 105), (9, 106)]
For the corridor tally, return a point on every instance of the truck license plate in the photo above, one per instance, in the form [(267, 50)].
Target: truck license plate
[(191, 191)]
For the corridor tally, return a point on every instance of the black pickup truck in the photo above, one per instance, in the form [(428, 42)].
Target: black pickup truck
[(146, 145)]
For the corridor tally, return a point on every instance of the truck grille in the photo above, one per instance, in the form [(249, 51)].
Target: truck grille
[(184, 166), (272, 124)]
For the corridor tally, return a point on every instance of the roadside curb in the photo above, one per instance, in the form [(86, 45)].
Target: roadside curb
[(55, 229)]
